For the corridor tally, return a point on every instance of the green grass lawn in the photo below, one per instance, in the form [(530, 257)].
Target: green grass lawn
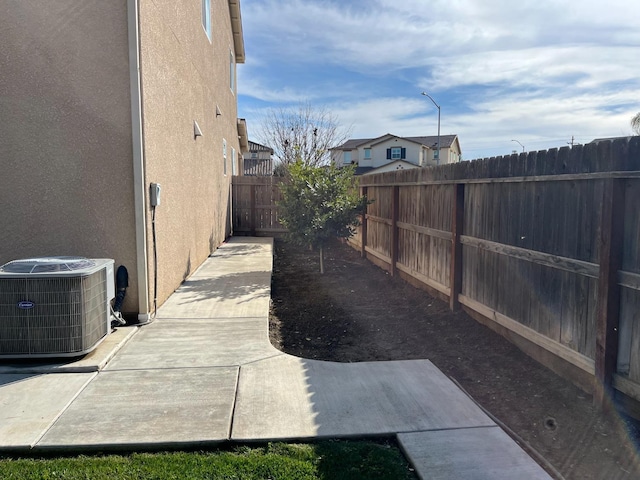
[(333, 460)]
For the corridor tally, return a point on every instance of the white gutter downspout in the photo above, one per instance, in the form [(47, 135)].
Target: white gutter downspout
[(138, 161)]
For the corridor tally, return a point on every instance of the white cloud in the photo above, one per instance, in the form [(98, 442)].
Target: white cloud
[(536, 70)]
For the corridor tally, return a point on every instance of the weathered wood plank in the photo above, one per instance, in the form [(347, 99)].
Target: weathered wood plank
[(424, 279), (629, 312), (432, 232), (457, 222), (379, 255), (525, 179), (374, 218), (629, 280), (608, 304), (554, 347), (395, 205), (568, 264), (630, 324)]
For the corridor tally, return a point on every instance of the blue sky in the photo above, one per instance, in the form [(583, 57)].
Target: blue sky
[(536, 71)]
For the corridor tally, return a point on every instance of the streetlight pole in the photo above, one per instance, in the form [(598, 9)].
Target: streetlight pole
[(519, 144), (438, 107)]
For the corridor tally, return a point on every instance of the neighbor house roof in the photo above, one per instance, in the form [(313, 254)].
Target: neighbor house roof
[(256, 147), (429, 141)]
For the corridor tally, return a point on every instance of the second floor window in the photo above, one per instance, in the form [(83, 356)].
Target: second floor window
[(396, 153), (347, 158), (367, 153)]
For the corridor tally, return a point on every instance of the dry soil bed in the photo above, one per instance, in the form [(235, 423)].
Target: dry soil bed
[(357, 312)]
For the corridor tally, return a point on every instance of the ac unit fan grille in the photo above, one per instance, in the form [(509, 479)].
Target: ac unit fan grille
[(68, 314)]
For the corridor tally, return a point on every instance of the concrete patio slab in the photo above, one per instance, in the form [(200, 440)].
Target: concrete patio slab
[(148, 408), (469, 454), (287, 397), (238, 294), (92, 362), (29, 404), (197, 343), (239, 254)]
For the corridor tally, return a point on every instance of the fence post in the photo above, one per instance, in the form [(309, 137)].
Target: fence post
[(395, 206), (457, 225), (608, 301), (363, 229)]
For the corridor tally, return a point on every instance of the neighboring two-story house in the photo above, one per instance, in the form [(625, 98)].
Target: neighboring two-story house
[(257, 161), (390, 152), (98, 100)]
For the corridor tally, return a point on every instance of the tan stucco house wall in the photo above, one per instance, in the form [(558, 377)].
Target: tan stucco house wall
[(97, 100)]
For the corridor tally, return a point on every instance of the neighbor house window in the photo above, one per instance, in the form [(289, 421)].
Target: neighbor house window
[(347, 158), (232, 72), (206, 17), (224, 156), (396, 153), (367, 154), (233, 161)]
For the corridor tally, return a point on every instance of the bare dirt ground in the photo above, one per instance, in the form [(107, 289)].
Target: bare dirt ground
[(357, 312)]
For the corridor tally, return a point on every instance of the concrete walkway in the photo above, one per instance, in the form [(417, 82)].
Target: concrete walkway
[(205, 372)]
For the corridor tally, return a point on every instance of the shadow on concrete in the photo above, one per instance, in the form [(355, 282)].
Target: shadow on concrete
[(243, 286), (234, 249), (10, 378)]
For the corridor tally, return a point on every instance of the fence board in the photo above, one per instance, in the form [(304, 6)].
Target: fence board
[(254, 205)]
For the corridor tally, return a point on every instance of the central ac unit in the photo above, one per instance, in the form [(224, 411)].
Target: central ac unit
[(54, 306)]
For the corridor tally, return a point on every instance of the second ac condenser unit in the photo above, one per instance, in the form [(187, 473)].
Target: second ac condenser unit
[(54, 306)]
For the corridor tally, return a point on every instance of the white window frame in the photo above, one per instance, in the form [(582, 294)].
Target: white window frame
[(347, 158), (396, 153), (367, 154), (206, 17), (224, 157)]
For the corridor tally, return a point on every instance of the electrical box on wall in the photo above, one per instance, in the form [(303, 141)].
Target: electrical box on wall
[(154, 194)]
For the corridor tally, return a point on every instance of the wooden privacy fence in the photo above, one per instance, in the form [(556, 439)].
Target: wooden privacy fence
[(254, 206), (542, 247)]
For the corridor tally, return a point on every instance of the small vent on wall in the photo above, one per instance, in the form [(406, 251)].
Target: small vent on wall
[(196, 130)]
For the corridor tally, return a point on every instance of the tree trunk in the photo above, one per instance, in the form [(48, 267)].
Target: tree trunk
[(321, 259)]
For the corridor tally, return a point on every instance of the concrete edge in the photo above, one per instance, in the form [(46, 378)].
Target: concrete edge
[(82, 365), (63, 409)]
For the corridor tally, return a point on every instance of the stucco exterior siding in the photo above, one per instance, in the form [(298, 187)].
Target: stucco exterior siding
[(83, 133), (65, 132), (184, 78)]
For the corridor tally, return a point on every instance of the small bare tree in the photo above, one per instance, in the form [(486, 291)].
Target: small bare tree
[(301, 133), (635, 124)]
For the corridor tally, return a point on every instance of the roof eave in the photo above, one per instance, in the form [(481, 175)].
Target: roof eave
[(236, 28)]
